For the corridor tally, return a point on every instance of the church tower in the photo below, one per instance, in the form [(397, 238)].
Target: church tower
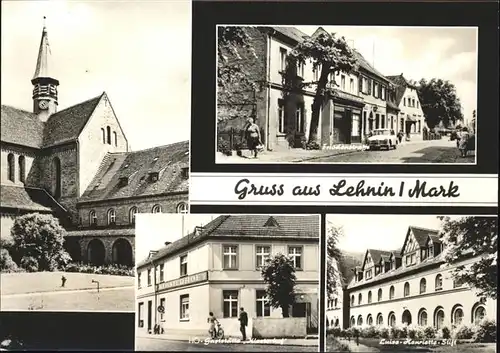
[(44, 86)]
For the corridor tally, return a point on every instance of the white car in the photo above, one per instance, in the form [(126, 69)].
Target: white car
[(382, 138)]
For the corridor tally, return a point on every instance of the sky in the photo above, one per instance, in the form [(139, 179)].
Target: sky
[(449, 53), (153, 230), (382, 232), (138, 52)]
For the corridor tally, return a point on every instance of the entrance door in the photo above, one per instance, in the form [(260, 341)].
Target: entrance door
[(150, 315)]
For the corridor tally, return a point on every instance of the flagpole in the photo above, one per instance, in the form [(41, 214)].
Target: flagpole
[(373, 54)]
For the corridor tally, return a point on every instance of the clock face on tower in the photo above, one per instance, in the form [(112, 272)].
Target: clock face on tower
[(43, 104)]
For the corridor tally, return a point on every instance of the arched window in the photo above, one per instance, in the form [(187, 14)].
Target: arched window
[(92, 218), (108, 135), (131, 215), (22, 169), (369, 297), (478, 314), (423, 285), (407, 289), (422, 317), (156, 209), (439, 318), (391, 292), (11, 164), (111, 216), (360, 298), (439, 282), (360, 320), (379, 294), (353, 321), (103, 133), (369, 319), (457, 315), (115, 138), (352, 300), (56, 177), (391, 319), (182, 208), (380, 319)]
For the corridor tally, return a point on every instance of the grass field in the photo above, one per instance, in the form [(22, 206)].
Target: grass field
[(457, 348), (43, 291)]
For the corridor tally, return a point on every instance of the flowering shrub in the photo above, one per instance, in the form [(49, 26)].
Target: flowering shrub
[(369, 332), (445, 333), (383, 332), (429, 332), (463, 332), (486, 331), (397, 332), (116, 270)]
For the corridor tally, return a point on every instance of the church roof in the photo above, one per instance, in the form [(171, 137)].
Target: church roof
[(27, 198), (21, 127), (243, 225), (42, 63), (135, 168)]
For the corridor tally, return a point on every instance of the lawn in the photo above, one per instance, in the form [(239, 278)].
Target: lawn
[(17, 283), (335, 345), (456, 348)]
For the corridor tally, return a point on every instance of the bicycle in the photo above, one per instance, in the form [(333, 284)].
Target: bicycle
[(219, 332)]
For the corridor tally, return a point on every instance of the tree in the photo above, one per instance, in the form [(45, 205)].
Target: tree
[(439, 102), (334, 256), (40, 237), (328, 54), (474, 237), (279, 274)]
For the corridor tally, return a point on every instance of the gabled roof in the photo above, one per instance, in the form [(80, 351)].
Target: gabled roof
[(21, 127), (376, 255), (365, 65), (421, 235), (396, 253), (245, 225), (291, 32), (400, 84), (168, 161), (28, 198), (67, 124)]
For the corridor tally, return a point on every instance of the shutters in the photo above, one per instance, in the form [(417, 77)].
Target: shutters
[(360, 84), (380, 91), (369, 86)]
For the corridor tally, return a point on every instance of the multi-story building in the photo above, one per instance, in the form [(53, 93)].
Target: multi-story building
[(75, 163), (411, 286), (411, 116), (217, 268)]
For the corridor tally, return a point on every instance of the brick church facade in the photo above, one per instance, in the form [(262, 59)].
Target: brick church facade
[(76, 164)]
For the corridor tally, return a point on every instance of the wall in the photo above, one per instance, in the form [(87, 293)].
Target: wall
[(6, 223), (414, 111), (31, 173), (279, 327), (108, 246)]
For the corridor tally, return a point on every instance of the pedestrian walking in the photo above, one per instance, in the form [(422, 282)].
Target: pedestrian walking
[(243, 323), (63, 281), (463, 142), (252, 135)]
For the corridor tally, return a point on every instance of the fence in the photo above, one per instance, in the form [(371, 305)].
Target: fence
[(232, 139), (431, 135)]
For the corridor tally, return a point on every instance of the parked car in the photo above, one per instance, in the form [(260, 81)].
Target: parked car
[(382, 138)]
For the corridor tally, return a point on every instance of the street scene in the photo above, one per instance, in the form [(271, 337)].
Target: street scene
[(419, 283), (381, 94), (227, 282)]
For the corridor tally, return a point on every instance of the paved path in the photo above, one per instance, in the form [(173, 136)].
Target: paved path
[(28, 294)]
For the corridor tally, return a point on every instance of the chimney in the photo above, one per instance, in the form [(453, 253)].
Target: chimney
[(168, 243)]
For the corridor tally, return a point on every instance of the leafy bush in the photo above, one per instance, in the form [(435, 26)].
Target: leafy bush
[(312, 146), (395, 332), (445, 332), (6, 262), (413, 332), (486, 331), (429, 332), (463, 332), (29, 263), (369, 332), (334, 331), (383, 332), (116, 270)]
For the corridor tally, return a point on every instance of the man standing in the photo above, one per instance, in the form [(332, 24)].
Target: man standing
[(63, 281), (243, 323)]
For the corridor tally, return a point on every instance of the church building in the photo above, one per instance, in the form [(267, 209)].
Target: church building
[(76, 164)]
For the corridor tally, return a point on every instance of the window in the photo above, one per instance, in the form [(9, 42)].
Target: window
[(295, 253), (299, 117), (356, 125), (108, 135), (413, 103), (369, 297), (140, 315), (281, 116), (457, 316), (392, 319), (162, 304), (365, 85), (352, 300), (162, 272), (369, 320), (115, 138), (184, 265), (375, 89), (411, 259), (11, 166), (336, 302), (154, 176), (316, 73), (156, 209), (111, 217), (380, 319), (379, 294), (360, 320), (22, 169), (149, 278), (92, 218), (351, 86), (360, 298), (230, 299), (182, 208), (139, 279), (406, 289), (369, 274), (184, 309), (131, 215), (457, 283), (103, 135), (423, 254), (342, 82), (383, 93), (439, 282), (422, 317), (479, 314), (353, 321), (283, 54), (300, 69), (439, 318), (423, 286), (418, 104), (391, 292), (157, 274), (263, 307), (230, 257), (262, 254)]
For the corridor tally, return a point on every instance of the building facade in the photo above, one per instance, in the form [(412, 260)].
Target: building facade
[(73, 163), (410, 286), (217, 268)]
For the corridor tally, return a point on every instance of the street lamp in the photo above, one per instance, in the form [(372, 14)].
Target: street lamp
[(94, 281)]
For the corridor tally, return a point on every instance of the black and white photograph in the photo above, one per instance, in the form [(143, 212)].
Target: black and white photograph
[(346, 94), (95, 129), (412, 283), (228, 282)]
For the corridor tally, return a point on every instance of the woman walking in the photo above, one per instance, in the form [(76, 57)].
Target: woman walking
[(252, 135), (464, 140)]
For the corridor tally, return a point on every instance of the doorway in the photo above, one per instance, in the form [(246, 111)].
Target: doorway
[(150, 315)]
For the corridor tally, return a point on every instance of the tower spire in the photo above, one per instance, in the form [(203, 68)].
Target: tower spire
[(45, 87)]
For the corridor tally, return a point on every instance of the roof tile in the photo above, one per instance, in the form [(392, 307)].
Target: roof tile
[(21, 127), (27, 198)]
